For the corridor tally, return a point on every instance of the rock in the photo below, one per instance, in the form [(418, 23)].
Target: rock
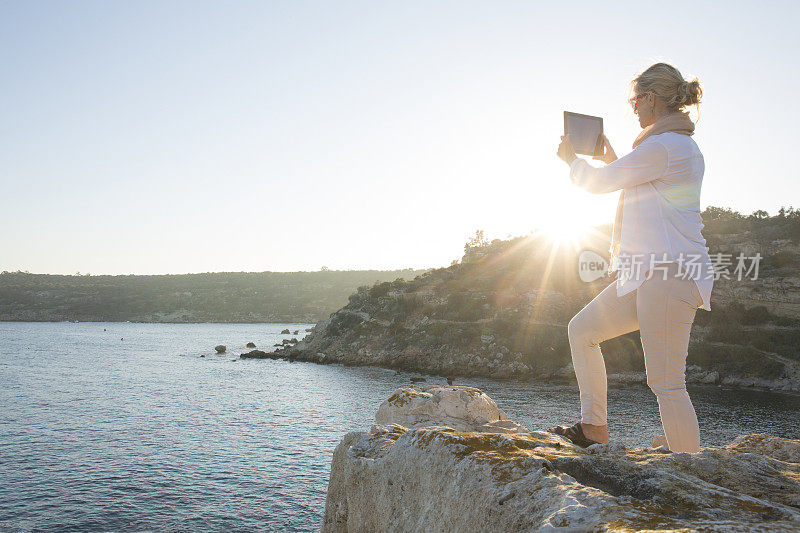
[(220, 349), (502, 372), (462, 408), (711, 378), (659, 441), (295, 332), (447, 459), (285, 332), (786, 450), (259, 354), (503, 426), (251, 345), (418, 380)]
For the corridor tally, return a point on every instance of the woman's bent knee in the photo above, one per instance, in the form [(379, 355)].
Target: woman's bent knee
[(574, 327), (578, 332), (665, 385)]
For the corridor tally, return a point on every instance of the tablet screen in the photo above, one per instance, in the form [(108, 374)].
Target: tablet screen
[(584, 132)]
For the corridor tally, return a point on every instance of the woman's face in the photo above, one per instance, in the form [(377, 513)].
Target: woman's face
[(644, 107)]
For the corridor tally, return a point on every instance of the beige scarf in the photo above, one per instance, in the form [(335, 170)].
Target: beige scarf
[(679, 122)]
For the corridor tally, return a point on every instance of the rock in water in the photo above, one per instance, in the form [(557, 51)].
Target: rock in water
[(258, 354), (447, 459), (221, 348), (251, 345)]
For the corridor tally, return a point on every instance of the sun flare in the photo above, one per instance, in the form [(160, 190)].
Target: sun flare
[(567, 231), (574, 231)]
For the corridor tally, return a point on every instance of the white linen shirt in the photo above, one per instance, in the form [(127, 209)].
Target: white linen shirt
[(661, 218)]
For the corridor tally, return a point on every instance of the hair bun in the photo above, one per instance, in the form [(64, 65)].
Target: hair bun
[(692, 91)]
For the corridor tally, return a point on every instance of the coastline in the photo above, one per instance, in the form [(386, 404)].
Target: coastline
[(22, 321), (695, 376), (294, 322)]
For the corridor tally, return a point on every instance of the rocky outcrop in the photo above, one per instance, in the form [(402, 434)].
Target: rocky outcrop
[(259, 354), (482, 472)]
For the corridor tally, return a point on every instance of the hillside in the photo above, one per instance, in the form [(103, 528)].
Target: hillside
[(502, 311), (214, 297)]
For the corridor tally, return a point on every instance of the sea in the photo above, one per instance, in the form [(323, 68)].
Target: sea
[(127, 427)]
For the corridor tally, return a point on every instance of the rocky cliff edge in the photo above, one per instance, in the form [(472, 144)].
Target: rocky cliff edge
[(448, 459)]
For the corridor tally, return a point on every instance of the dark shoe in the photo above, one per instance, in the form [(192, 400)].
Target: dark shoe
[(575, 434)]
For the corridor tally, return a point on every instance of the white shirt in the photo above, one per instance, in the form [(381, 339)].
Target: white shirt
[(661, 219)]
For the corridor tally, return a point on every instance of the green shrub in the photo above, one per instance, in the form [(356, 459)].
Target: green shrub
[(380, 289), (462, 306), (737, 360), (342, 323), (543, 346), (623, 353), (756, 315), (782, 341), (781, 259), (729, 332), (405, 304), (453, 334), (736, 313), (396, 327)]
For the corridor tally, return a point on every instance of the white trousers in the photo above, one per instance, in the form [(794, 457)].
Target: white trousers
[(662, 309)]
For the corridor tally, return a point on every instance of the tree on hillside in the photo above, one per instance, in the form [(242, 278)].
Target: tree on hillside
[(478, 240)]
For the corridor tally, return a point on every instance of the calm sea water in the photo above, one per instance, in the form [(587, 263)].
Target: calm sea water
[(98, 433)]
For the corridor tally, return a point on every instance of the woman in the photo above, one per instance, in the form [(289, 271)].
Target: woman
[(664, 273)]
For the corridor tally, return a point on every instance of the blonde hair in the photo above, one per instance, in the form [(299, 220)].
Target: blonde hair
[(668, 84)]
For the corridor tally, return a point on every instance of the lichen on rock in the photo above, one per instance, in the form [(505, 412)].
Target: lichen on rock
[(460, 465)]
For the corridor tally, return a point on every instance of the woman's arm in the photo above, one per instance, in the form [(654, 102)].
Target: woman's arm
[(646, 163)]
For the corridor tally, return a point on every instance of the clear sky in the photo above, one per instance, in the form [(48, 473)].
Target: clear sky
[(173, 137)]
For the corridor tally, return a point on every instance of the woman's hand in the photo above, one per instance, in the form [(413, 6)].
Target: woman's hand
[(566, 151), (609, 156)]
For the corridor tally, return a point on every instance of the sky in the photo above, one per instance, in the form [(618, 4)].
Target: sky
[(173, 137)]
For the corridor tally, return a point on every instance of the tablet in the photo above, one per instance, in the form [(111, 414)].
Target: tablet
[(585, 132)]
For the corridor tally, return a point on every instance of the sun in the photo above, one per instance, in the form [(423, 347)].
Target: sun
[(566, 231)]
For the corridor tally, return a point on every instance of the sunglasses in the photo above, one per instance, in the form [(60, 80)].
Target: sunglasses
[(635, 100)]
